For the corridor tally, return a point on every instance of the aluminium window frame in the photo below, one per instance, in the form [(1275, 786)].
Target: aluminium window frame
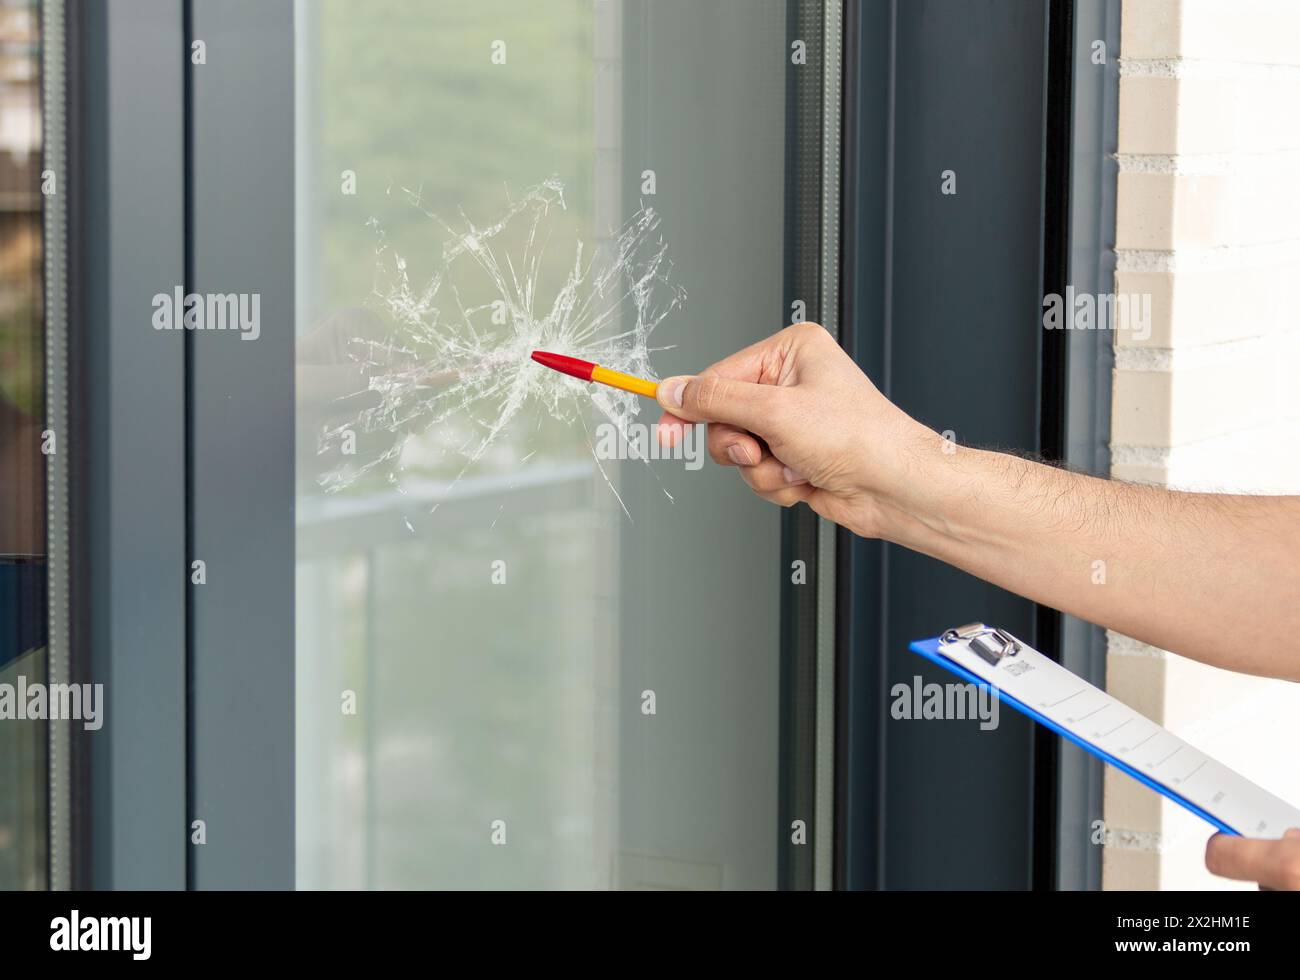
[(915, 261), (1088, 361), (810, 612), (54, 70), (239, 218), (1065, 415), (126, 436)]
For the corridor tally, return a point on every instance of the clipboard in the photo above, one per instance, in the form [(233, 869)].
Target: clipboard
[(1084, 714)]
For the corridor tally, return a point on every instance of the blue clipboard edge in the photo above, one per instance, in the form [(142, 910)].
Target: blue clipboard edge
[(930, 650)]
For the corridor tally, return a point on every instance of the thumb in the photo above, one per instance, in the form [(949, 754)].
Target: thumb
[(1243, 858), (713, 398)]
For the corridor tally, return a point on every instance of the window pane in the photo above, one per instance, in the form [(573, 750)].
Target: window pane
[(524, 661)]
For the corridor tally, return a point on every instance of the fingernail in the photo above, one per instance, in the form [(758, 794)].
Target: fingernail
[(791, 476), (674, 393), (738, 455)]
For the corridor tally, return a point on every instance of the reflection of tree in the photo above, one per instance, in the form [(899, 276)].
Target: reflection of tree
[(406, 99), (22, 483), (22, 362), (22, 466)]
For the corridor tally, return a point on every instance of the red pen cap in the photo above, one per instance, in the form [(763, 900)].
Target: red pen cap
[(573, 366)]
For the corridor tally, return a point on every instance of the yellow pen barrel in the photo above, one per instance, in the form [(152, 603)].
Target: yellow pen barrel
[(617, 379)]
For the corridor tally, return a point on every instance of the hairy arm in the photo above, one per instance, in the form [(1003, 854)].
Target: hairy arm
[(1215, 577)]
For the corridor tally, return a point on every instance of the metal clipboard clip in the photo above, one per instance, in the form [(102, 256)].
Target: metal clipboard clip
[(990, 643)]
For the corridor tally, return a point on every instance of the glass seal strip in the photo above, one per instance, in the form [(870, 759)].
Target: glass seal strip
[(54, 148), (824, 807)]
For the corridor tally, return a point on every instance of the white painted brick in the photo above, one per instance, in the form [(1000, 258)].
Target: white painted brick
[(1148, 118), (1262, 460), (1168, 408), (1151, 28), (1142, 408), (1124, 871), (1129, 805), (1144, 211), (1155, 859), (1288, 365), (1194, 692), (1159, 287), (1163, 211), (1203, 114), (1263, 202), (1138, 681), (1262, 31), (1167, 211), (1141, 473), (1204, 306)]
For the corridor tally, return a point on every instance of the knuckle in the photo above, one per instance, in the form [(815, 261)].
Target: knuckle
[(764, 480), (785, 497), (720, 435), (809, 327), (708, 391)]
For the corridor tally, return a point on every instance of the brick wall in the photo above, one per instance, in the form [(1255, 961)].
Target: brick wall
[(1207, 225)]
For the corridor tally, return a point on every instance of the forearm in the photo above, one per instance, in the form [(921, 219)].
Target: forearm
[(1213, 577)]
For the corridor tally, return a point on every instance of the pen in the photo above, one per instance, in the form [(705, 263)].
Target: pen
[(587, 371)]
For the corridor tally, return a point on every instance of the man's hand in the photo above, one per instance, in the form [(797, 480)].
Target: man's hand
[(801, 422), (1210, 576), (1275, 864)]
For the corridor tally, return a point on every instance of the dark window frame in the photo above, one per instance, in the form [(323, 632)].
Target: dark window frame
[(1072, 383)]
